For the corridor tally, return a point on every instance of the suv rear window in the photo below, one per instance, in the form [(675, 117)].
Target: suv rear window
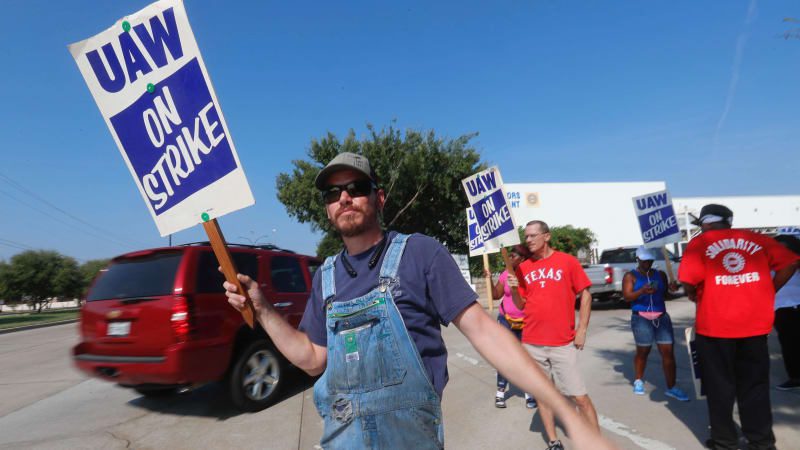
[(146, 276), (287, 275), (209, 279)]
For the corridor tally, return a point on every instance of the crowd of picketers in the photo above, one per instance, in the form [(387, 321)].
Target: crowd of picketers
[(372, 325)]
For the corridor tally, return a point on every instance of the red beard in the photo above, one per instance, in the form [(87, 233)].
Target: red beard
[(355, 221)]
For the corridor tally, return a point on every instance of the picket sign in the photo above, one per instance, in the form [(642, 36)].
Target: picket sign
[(693, 363), (490, 224), (658, 223), (148, 78)]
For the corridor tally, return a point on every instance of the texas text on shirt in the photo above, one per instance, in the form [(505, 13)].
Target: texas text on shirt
[(549, 286), (731, 269)]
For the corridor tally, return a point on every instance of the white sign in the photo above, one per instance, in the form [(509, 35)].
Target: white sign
[(657, 219), (691, 347), (148, 78), (473, 234), (496, 225), (463, 265)]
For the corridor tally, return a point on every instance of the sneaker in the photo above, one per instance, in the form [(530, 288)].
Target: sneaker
[(499, 402), (677, 394), (555, 445), (638, 387), (788, 385), (530, 403)]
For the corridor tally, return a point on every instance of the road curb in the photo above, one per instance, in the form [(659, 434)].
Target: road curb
[(37, 325)]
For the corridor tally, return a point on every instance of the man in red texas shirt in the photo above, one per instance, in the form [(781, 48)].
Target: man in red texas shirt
[(548, 283), (727, 272)]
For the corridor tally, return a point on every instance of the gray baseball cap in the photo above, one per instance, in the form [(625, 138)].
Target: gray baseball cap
[(342, 161)]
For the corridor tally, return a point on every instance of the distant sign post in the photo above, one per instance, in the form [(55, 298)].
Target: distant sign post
[(658, 223), (494, 227), (148, 78)]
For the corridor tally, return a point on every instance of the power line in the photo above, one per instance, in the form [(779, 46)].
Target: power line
[(27, 191), (61, 221), (13, 244)]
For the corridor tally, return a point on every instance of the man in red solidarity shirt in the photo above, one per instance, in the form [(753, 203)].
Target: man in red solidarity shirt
[(727, 272), (548, 283)]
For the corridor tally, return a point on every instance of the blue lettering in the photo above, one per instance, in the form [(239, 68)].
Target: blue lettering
[(481, 187), (134, 59), (160, 38), (473, 190), (113, 82), (489, 181), (651, 202), (111, 74)]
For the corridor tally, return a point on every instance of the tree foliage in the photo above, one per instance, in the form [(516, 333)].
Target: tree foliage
[(420, 173), (569, 239), (37, 276), (89, 270)]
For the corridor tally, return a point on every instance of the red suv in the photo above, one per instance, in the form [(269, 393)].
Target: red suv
[(158, 321)]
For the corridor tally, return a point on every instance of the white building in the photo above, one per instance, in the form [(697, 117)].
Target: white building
[(607, 208)]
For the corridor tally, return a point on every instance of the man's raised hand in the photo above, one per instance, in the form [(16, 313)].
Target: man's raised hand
[(238, 301)]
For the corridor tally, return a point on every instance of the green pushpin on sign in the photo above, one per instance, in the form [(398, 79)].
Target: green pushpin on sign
[(205, 217), (151, 88), (126, 26)]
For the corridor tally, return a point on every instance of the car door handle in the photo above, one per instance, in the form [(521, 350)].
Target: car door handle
[(283, 304)]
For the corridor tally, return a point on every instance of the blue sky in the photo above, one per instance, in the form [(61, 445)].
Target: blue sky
[(703, 95)]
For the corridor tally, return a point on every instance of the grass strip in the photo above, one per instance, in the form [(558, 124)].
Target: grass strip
[(13, 320)]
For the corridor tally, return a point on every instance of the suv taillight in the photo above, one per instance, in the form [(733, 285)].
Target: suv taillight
[(180, 319), (609, 275)]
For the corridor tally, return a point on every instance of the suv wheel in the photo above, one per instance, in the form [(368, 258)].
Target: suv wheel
[(256, 377)]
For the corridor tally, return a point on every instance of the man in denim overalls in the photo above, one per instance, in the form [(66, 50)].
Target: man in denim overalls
[(372, 327)]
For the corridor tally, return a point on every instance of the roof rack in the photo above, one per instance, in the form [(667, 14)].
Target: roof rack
[(234, 244)]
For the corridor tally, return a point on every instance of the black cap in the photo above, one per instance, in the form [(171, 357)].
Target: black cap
[(713, 209), (343, 161)]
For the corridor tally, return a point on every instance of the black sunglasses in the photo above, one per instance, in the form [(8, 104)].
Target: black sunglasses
[(360, 188)]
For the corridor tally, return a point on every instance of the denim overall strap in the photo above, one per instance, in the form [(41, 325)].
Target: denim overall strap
[(328, 279), (375, 392), (391, 262)]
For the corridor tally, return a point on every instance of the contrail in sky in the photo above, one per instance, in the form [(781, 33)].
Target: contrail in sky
[(752, 12)]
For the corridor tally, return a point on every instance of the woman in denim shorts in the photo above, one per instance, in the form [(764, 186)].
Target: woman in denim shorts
[(645, 287), (508, 313)]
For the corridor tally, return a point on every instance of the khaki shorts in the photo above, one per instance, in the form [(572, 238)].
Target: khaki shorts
[(561, 365)]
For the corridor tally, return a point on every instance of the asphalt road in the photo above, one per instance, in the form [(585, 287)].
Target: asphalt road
[(46, 404)]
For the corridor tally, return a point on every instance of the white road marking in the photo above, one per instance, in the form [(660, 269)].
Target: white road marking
[(468, 359), (622, 430)]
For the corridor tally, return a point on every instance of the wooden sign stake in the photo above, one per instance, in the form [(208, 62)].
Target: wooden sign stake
[(228, 268), (488, 282), (668, 264)]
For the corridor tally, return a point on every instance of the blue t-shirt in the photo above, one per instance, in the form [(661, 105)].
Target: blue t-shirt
[(432, 293)]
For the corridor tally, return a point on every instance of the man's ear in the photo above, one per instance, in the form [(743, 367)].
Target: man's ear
[(381, 197)]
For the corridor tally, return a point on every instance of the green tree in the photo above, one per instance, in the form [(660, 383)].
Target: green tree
[(569, 239), (37, 276), (89, 270), (420, 173)]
